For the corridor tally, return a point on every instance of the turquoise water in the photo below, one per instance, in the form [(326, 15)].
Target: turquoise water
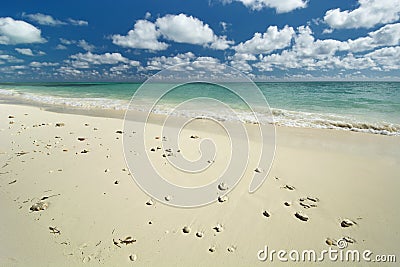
[(358, 106)]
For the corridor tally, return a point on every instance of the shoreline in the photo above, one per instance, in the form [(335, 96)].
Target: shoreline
[(120, 114), (349, 175)]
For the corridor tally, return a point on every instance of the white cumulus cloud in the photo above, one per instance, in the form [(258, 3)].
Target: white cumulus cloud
[(185, 29), (188, 29), (144, 35), (368, 14), (158, 63), (37, 64), (387, 58), (281, 6), (48, 20), (306, 53), (86, 60), (272, 39), (178, 28), (310, 54), (78, 22), (10, 59), (86, 46), (24, 51), (220, 43), (67, 42), (388, 35), (18, 32), (61, 47), (43, 19), (97, 59)]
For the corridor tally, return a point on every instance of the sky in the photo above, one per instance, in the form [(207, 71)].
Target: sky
[(43, 40)]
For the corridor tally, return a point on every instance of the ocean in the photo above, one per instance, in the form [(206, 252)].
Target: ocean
[(372, 107)]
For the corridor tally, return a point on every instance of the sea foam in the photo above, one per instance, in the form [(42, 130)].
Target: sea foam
[(281, 117)]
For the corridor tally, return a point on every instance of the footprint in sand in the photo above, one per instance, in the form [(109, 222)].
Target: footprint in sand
[(289, 187), (231, 249), (222, 186), (258, 170), (347, 223), (266, 214), (218, 228), (334, 242), (287, 203), (313, 199), (348, 239), (186, 230), (199, 234), (330, 242), (133, 257), (308, 202), (222, 199), (39, 206), (301, 216), (54, 230)]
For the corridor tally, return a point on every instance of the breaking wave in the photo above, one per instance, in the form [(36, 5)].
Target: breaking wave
[(280, 116)]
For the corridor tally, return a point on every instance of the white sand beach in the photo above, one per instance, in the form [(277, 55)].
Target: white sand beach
[(91, 212)]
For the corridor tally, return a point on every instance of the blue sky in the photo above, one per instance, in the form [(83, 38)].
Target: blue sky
[(266, 39)]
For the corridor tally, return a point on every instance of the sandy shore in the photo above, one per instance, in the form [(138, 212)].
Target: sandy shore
[(94, 205)]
